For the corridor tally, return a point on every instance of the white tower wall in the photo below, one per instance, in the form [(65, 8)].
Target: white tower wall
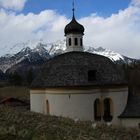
[(73, 46)]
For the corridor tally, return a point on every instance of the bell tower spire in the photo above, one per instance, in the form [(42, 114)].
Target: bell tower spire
[(74, 34), (73, 7)]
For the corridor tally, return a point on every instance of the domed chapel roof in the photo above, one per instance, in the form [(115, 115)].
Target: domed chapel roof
[(77, 69)]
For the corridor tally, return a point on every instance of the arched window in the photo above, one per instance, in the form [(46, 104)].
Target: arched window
[(76, 41), (108, 110), (47, 107), (81, 42), (97, 110), (69, 41)]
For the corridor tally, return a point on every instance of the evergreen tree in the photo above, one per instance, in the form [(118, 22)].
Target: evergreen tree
[(15, 79), (30, 77)]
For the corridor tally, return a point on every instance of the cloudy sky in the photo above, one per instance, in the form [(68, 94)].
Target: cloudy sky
[(112, 24)]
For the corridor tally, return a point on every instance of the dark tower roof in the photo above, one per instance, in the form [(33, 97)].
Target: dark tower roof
[(74, 26)]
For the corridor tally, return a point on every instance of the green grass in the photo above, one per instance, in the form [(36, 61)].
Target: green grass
[(25, 125)]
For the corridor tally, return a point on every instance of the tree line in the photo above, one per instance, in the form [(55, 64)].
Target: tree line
[(17, 79)]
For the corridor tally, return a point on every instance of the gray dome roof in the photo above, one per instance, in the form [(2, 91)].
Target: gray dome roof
[(74, 27), (77, 69)]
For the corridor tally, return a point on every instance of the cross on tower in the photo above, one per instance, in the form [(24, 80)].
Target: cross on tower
[(73, 5)]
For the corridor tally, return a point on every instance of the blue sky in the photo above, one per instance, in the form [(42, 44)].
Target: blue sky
[(111, 24), (83, 7)]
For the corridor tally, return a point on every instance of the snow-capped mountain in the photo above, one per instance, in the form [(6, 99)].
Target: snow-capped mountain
[(105, 52), (39, 52), (57, 47), (114, 56), (34, 55), (52, 48)]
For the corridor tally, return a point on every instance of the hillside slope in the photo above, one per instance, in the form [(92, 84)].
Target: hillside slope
[(24, 125)]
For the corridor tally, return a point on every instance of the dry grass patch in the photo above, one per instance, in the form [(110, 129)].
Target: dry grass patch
[(24, 125), (16, 92)]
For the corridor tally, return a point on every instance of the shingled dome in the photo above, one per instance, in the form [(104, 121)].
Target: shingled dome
[(77, 69), (74, 27)]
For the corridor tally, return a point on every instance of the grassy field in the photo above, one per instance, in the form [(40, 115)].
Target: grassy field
[(17, 92), (24, 125)]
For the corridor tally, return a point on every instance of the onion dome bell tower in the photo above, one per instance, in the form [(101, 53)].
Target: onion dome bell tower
[(74, 35)]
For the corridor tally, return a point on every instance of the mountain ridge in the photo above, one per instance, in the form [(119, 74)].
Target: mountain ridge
[(40, 52)]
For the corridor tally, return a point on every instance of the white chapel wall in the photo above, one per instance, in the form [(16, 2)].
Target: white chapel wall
[(74, 105), (119, 98), (130, 122), (37, 102)]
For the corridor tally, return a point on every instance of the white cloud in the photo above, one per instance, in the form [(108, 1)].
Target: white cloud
[(13, 4), (135, 2), (120, 32), (47, 25)]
